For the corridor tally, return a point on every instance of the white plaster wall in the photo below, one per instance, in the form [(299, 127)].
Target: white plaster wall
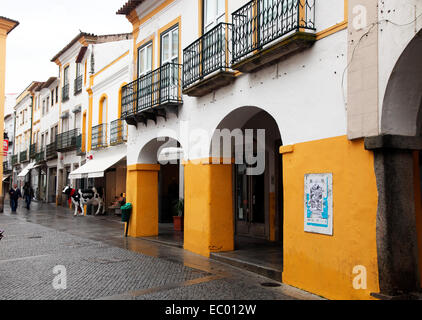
[(394, 36), (304, 93), (25, 104), (52, 118), (9, 103), (109, 82), (105, 53), (69, 57)]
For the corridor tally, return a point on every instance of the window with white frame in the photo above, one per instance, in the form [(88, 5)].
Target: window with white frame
[(66, 76), (170, 46), (78, 70), (145, 59), (214, 13)]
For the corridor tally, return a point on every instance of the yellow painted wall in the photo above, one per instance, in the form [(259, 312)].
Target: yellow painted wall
[(209, 225), (323, 264), (3, 36), (142, 192)]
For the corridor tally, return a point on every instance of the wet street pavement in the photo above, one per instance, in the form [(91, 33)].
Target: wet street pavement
[(100, 263)]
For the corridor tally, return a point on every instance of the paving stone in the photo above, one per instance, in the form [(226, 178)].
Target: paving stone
[(114, 268)]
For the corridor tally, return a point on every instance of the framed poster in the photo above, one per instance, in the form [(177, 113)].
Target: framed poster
[(319, 203)]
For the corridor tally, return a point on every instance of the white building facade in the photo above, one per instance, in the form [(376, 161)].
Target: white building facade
[(105, 166), (23, 129), (326, 81), (79, 63)]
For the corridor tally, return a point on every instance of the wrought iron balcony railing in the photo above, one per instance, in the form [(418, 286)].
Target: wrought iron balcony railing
[(261, 22), (78, 85), (208, 54), (40, 156), (67, 141), (51, 151), (158, 88), (32, 151), (15, 160), (6, 167), (23, 156), (118, 132), (99, 136), (65, 92)]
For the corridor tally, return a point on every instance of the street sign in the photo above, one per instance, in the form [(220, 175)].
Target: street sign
[(5, 147)]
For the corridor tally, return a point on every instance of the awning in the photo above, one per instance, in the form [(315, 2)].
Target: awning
[(25, 171), (7, 176), (95, 168)]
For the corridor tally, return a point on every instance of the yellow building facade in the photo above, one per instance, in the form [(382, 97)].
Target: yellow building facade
[(340, 193), (6, 26)]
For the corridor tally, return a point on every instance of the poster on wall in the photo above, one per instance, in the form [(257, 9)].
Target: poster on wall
[(319, 203)]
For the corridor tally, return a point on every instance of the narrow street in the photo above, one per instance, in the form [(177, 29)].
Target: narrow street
[(102, 264)]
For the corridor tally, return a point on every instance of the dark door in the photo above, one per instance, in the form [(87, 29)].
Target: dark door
[(250, 204)]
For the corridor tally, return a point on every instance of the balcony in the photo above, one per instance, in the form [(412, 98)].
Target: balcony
[(67, 141), (206, 62), (15, 160), (23, 156), (78, 85), (40, 156), (153, 95), (6, 167), (51, 151), (266, 32), (32, 151), (99, 137), (118, 132), (65, 93)]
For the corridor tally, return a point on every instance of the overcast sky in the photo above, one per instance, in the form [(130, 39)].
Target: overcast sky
[(46, 26)]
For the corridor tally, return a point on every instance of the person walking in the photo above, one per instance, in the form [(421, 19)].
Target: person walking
[(15, 194), (28, 194)]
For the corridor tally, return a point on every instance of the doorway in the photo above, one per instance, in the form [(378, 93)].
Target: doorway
[(250, 204), (257, 192)]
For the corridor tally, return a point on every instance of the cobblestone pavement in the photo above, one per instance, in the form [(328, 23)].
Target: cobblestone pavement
[(102, 264)]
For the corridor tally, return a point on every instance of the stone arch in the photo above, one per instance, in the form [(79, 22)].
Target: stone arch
[(240, 118), (403, 98), (149, 152)]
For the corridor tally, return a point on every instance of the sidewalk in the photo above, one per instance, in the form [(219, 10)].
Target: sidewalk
[(102, 264)]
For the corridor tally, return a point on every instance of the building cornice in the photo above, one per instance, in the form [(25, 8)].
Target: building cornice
[(7, 24)]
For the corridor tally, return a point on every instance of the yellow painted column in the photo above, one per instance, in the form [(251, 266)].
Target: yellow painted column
[(142, 193), (209, 218), (90, 107)]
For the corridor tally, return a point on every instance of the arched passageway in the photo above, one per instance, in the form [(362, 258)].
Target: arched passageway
[(155, 187), (238, 190)]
